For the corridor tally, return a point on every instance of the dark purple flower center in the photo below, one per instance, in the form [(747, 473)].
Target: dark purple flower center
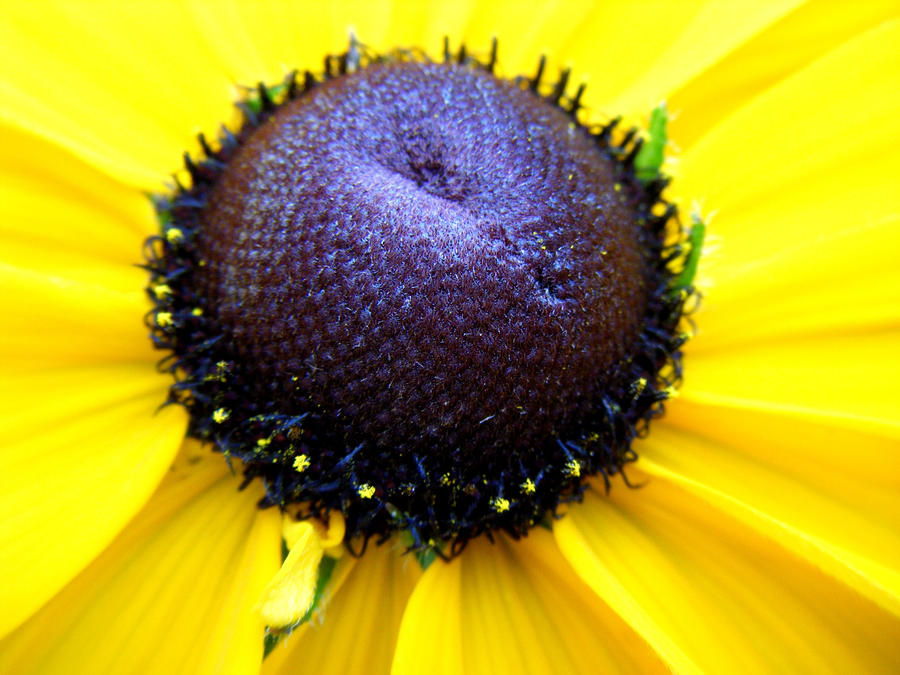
[(428, 257)]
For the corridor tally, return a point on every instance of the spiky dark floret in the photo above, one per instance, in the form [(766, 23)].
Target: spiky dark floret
[(439, 498)]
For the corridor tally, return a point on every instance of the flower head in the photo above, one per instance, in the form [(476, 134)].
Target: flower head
[(434, 281), (764, 534)]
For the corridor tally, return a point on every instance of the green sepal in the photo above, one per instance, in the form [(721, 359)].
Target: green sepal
[(254, 102), (163, 216), (270, 641), (425, 557), (695, 238), (650, 157)]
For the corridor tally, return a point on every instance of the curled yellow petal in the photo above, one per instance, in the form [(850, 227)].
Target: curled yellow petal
[(290, 594), (331, 534)]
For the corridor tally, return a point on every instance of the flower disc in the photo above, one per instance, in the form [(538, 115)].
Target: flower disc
[(418, 293), (425, 259)]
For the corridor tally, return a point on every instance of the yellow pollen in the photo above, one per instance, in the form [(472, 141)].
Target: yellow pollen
[(671, 392), (301, 463), (164, 319), (197, 311), (617, 187), (366, 491), (262, 442), (221, 415), (499, 504), (573, 468), (219, 375), (161, 290), (174, 235), (639, 385), (528, 487)]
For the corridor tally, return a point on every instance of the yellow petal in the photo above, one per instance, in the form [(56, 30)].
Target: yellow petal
[(798, 176), (712, 595), (83, 449), (173, 593), (53, 320), (289, 595), (635, 54), (258, 41), (525, 34), (235, 642), (513, 607), (788, 45), (69, 241), (53, 204), (758, 150), (357, 630), (840, 281), (847, 381), (132, 119), (427, 23), (831, 495), (430, 636)]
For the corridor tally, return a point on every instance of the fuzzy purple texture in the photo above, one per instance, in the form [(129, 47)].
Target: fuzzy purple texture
[(427, 258)]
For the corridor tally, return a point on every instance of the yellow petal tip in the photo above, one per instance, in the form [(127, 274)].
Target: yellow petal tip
[(290, 594)]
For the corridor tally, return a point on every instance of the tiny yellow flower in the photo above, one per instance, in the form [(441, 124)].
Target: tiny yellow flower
[(500, 504)]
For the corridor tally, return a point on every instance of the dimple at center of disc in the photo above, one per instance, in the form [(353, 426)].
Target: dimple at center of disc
[(426, 258)]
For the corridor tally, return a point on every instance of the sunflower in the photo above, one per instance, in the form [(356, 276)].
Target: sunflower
[(764, 534)]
